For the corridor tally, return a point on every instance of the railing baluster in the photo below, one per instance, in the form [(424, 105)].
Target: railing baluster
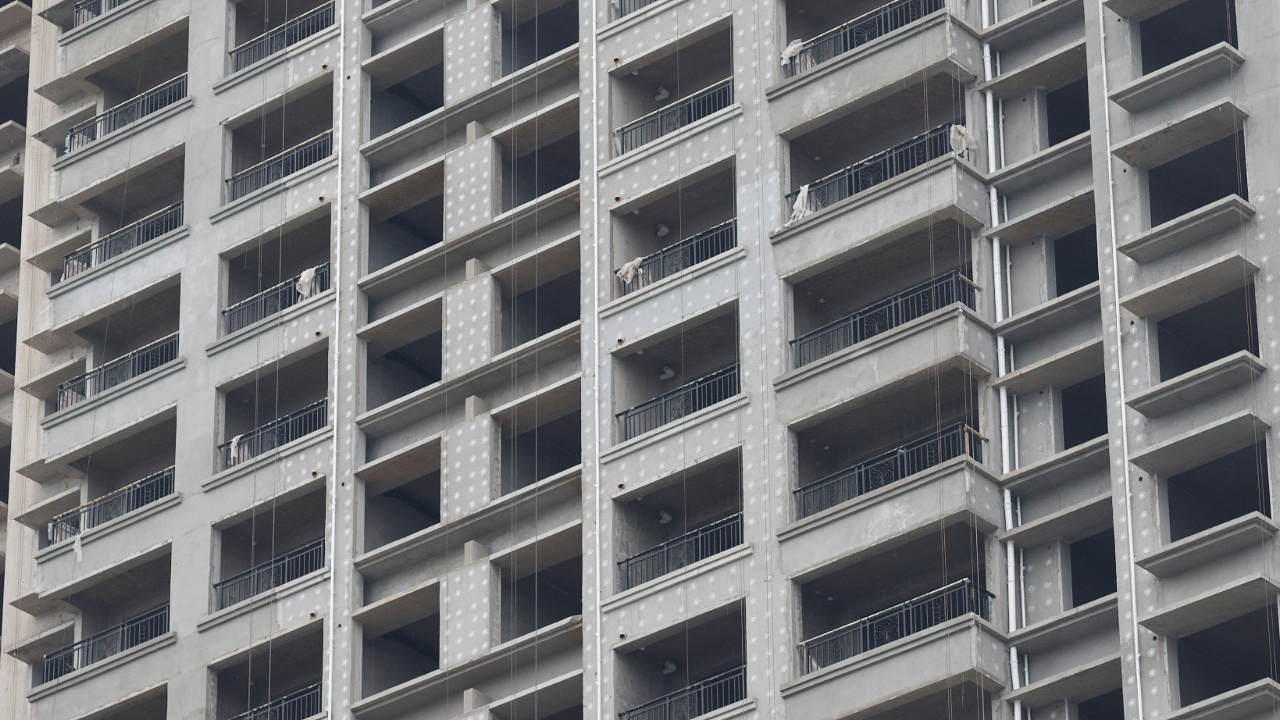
[(687, 549), (108, 375), (278, 432), (271, 574), (697, 699), (281, 166), (109, 507), (292, 32), (121, 241), (127, 113), (132, 632), (275, 299), (675, 116), (670, 406), (685, 254)]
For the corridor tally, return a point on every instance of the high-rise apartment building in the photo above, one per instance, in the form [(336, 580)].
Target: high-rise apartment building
[(652, 359)]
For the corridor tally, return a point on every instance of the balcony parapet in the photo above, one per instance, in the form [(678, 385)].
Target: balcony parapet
[(671, 118), (123, 240), (295, 706), (126, 113), (682, 255), (116, 504), (281, 166), (269, 575), (276, 299), (274, 434), (130, 633), (696, 700), (291, 33), (675, 404), (122, 369), (680, 552), (857, 32)]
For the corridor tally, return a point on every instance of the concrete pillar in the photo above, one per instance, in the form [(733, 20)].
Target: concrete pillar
[(1047, 580), (472, 189), (472, 53), (470, 617), (1039, 425), (470, 320), (469, 461)]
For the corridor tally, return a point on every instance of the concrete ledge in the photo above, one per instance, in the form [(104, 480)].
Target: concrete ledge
[(147, 248), (675, 577), (389, 613), (286, 183), (100, 21), (1175, 80), (1082, 683), (1191, 287), (1178, 137), (1072, 523), (77, 676), (1062, 216), (1043, 71), (289, 53), (1215, 606), (126, 132), (1247, 531), (1229, 213), (1062, 369), (1044, 166), (1100, 615), (1258, 699), (1093, 455), (1189, 388), (1205, 443), (1081, 303), (648, 150), (252, 465), (653, 437), (289, 315)]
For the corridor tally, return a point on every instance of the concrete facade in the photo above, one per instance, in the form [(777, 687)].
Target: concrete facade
[(539, 360)]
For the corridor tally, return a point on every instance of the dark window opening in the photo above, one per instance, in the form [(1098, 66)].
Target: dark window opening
[(406, 100), (1093, 568), (1198, 178), (1068, 111), (13, 102), (6, 455), (1185, 30), (406, 233), (402, 654), (1227, 656), (11, 221), (281, 678), (1075, 259), (540, 599), (652, 680), (535, 38), (1229, 487), (540, 452), (537, 173), (536, 311), (267, 279), (398, 509), (1084, 411), (1107, 706), (1207, 332), (405, 369), (9, 346)]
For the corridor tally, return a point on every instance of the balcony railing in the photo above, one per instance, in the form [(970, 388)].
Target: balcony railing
[(685, 254), (280, 431), (959, 598), (295, 706), (684, 400), (889, 467), (276, 299), (86, 10), (123, 240), (290, 33), (697, 699), (127, 113), (860, 31), (874, 170), (675, 116), (111, 506), (884, 315), (626, 7), (271, 574), (149, 625), (281, 166), (104, 377), (684, 550)]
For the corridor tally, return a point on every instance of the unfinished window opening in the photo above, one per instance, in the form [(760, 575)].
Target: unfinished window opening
[(687, 670), (847, 612), (276, 273), (688, 517), (1207, 332), (1093, 568), (11, 215), (529, 312), (828, 30), (277, 679), (1198, 178), (533, 599), (139, 85), (406, 233), (398, 508), (274, 407), (277, 543), (1107, 706), (9, 346), (396, 101), (13, 101), (1084, 411), (6, 456), (1229, 487), (407, 650), (532, 454), (536, 172), (262, 28), (531, 31), (277, 142), (1185, 30), (394, 372), (675, 231), (1067, 111), (1227, 656), (1075, 260)]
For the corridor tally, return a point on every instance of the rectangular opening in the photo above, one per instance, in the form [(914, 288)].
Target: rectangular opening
[(1186, 29), (9, 346), (398, 509), (1107, 706), (1093, 568), (1075, 260), (1067, 111), (279, 542), (13, 101), (404, 369), (1227, 656), (1198, 178), (269, 277), (531, 31), (278, 143), (279, 679), (541, 451), (1207, 332), (541, 598), (407, 99), (534, 173), (274, 408), (409, 650), (538, 306), (1228, 487), (1084, 411), (406, 233), (11, 216)]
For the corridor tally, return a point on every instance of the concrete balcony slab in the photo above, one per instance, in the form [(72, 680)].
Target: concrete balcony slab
[(649, 605), (1189, 615), (1073, 522), (1063, 369), (1059, 217), (89, 165), (1083, 682), (90, 47), (1177, 79), (1204, 443), (1191, 287), (64, 430), (1258, 699), (1190, 388), (1179, 136), (1067, 61), (1218, 217), (1244, 534)]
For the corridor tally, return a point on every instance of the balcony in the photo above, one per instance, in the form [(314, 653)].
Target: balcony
[(280, 166), (626, 7), (295, 706), (671, 118), (291, 33), (86, 10), (859, 31), (685, 550), (118, 371), (130, 633), (123, 240), (695, 700), (127, 113), (280, 431), (884, 315), (277, 299), (675, 404), (675, 258), (269, 575), (111, 506)]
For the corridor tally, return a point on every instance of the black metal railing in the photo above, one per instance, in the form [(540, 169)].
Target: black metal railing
[(122, 241), (860, 31), (884, 315), (676, 115), (685, 254), (278, 432), (889, 467), (684, 400), (874, 170), (290, 33), (698, 699), (104, 377), (86, 10), (685, 550), (276, 299), (111, 506), (271, 574), (127, 113), (281, 166), (149, 625), (626, 7), (960, 598), (295, 706)]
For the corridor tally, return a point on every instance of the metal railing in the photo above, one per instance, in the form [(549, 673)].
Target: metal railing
[(684, 400), (149, 625), (104, 377), (278, 432), (271, 574), (127, 113), (889, 467), (685, 254), (123, 240), (876, 169), (276, 299), (295, 706), (291, 33), (959, 598), (626, 7), (281, 166), (698, 699), (676, 115), (685, 550), (860, 31), (111, 506), (884, 315), (86, 10)]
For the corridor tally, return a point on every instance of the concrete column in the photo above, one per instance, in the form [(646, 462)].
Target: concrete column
[(472, 53), (470, 317), (1039, 425), (472, 190), (470, 614), (1047, 576), (469, 461)]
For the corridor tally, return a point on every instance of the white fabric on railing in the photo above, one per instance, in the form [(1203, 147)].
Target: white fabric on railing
[(801, 206), (962, 141), (628, 272), (233, 452), (306, 282), (791, 50)]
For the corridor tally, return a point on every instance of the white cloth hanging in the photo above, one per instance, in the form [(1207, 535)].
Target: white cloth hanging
[(628, 272), (233, 452), (962, 141), (791, 50), (306, 282), (801, 206)]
